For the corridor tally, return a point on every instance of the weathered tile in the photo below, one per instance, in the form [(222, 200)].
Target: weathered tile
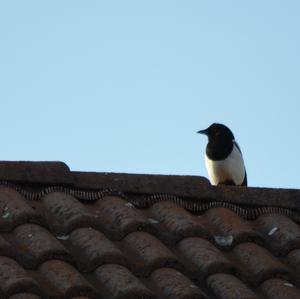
[(35, 245), (14, 278), (14, 210), (121, 283), (279, 289), (177, 223), (63, 280), (257, 264), (92, 249), (65, 213), (147, 253), (205, 258), (230, 227), (281, 234), (173, 284), (227, 286), (118, 218)]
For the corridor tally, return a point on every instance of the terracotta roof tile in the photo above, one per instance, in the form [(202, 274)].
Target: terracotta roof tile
[(229, 224), (63, 280), (151, 237), (14, 278), (147, 253), (173, 284), (279, 289), (92, 249), (6, 248), (226, 286), (176, 223), (117, 218), (293, 258), (257, 264), (281, 234), (203, 256), (65, 213), (14, 210), (121, 283), (27, 240)]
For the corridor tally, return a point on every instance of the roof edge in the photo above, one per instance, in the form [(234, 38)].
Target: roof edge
[(37, 172), (187, 187), (142, 183), (193, 187)]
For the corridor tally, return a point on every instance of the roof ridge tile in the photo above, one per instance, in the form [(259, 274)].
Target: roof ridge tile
[(35, 172)]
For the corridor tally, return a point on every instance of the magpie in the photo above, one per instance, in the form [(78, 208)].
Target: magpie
[(223, 157)]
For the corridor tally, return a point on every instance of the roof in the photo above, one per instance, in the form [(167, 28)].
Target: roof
[(66, 234)]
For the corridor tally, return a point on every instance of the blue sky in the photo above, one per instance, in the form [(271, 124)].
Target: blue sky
[(123, 86)]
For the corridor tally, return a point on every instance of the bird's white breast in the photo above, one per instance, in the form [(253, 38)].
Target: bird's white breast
[(230, 169)]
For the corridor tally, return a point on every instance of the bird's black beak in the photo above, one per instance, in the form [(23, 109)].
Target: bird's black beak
[(205, 132)]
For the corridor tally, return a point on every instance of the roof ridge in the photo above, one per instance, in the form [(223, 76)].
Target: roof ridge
[(246, 211), (37, 172), (58, 175)]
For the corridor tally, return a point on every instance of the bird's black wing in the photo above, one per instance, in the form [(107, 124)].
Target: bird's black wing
[(245, 178), (238, 147)]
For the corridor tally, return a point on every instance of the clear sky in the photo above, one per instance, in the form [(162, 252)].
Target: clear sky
[(123, 86)]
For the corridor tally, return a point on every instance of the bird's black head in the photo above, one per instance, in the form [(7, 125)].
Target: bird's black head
[(217, 131)]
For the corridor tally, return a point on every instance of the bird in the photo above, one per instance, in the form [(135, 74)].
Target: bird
[(223, 157)]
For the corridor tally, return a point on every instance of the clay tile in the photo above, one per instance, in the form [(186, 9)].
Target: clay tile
[(62, 280), (230, 225), (34, 245), (293, 258), (205, 258), (65, 213), (177, 223), (281, 234), (35, 172), (257, 264), (173, 284), (226, 286), (189, 186), (147, 252), (279, 289), (14, 210), (121, 283), (118, 218), (25, 296), (14, 279), (6, 248), (92, 249)]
